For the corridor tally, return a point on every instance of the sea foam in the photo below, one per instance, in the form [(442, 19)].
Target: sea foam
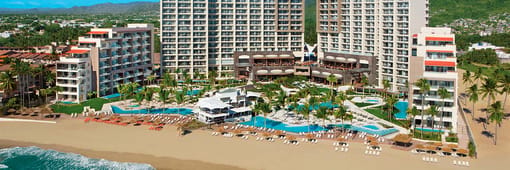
[(37, 158)]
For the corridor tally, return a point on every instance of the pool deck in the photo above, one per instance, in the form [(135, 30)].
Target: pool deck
[(355, 108)]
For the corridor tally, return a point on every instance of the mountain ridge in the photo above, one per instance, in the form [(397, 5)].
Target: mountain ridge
[(103, 8)]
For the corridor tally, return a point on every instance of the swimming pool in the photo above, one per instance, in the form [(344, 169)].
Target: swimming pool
[(193, 92), (373, 100), (329, 105), (182, 111), (373, 127), (67, 102), (135, 105), (258, 121), (429, 130), (402, 107), (273, 124)]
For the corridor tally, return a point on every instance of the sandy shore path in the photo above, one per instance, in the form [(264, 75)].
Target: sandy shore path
[(200, 149)]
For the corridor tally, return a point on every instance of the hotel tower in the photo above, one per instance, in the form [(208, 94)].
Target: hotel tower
[(380, 28), (202, 35)]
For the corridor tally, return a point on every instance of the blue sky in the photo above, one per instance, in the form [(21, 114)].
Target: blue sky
[(58, 3)]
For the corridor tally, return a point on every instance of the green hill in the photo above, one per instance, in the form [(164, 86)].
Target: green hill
[(446, 11)]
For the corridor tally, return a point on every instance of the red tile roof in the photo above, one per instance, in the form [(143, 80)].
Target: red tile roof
[(440, 51), (77, 51), (438, 38), (97, 32), (440, 63)]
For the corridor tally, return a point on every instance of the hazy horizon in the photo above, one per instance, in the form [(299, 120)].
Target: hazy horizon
[(27, 4)]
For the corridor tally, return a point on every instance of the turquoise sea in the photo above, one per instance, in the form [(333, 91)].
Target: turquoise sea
[(36, 158)]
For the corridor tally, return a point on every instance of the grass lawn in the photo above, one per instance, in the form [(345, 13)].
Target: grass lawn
[(96, 103), (485, 70), (427, 135), (363, 104), (377, 112)]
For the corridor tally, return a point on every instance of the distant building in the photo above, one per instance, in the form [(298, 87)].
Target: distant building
[(116, 56), (503, 56), (434, 58), (226, 105)]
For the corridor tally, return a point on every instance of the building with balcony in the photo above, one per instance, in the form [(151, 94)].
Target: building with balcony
[(74, 76), (380, 28), (116, 56), (203, 35), (348, 68), (434, 58)]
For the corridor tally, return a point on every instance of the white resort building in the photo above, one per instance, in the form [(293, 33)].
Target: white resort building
[(227, 105), (434, 58), (112, 56), (380, 28)]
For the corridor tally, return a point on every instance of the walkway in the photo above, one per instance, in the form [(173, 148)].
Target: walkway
[(355, 108), (25, 120)]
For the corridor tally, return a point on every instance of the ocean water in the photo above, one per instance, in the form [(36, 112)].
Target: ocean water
[(41, 159)]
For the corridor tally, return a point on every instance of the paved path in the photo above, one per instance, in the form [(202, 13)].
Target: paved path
[(25, 120)]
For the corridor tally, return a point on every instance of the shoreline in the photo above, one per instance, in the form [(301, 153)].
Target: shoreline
[(164, 163)]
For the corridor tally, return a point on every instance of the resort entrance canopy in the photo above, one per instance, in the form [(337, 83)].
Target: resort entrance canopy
[(212, 103)]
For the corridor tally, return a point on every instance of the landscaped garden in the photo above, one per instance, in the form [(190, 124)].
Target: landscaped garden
[(380, 113)]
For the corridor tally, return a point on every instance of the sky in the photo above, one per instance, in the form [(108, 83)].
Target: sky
[(58, 3)]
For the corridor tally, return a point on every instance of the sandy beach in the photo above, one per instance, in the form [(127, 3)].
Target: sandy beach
[(199, 150)]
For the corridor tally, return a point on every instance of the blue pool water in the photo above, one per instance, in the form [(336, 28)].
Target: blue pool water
[(193, 92), (273, 124), (429, 130), (136, 105), (37, 158), (373, 100), (259, 122), (373, 127), (182, 111), (111, 96), (402, 107), (67, 102), (329, 105)]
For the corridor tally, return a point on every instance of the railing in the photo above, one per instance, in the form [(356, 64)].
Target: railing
[(468, 127)]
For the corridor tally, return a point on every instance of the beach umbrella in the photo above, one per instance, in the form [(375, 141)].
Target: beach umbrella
[(278, 132), (251, 129), (340, 139), (453, 146), (430, 148), (309, 136), (371, 138), (374, 143), (266, 134), (220, 129), (291, 137), (46, 111), (11, 110), (462, 151), (37, 110), (437, 144), (446, 150), (420, 146)]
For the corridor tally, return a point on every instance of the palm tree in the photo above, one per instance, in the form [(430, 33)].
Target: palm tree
[(45, 92), (505, 86), (364, 82), (331, 79), (497, 116), (340, 114), (305, 111), (432, 111), (322, 113), (196, 75), (478, 75), (265, 108), (8, 83), (466, 77), (386, 86), (443, 94), (391, 101), (151, 79), (414, 112), (212, 77), (473, 97), (489, 90), (340, 98), (424, 86)]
